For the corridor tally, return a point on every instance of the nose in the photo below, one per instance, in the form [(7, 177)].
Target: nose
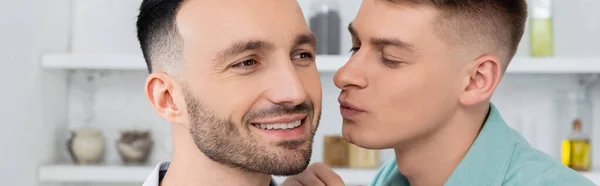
[(287, 88), (352, 74)]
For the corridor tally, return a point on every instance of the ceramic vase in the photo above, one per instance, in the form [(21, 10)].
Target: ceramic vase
[(86, 146), (135, 147)]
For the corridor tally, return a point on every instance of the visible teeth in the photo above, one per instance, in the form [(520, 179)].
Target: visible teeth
[(279, 126)]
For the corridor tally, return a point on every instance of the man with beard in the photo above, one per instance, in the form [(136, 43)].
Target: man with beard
[(237, 81)]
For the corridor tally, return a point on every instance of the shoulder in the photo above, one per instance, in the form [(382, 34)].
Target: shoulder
[(529, 166), (389, 175), (385, 172)]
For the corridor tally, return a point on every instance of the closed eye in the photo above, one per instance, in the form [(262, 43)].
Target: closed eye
[(353, 50), (392, 63)]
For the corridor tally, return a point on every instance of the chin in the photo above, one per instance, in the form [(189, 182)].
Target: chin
[(364, 138), (288, 162)]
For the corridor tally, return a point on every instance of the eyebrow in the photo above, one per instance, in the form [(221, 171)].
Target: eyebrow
[(352, 30), (393, 42), (304, 39), (378, 41), (243, 46)]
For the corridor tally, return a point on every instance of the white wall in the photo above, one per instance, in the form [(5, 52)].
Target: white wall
[(17, 53), (28, 131)]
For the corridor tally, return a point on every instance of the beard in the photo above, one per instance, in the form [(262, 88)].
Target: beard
[(235, 146)]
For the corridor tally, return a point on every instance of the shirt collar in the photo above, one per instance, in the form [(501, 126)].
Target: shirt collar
[(155, 177), (160, 170), (489, 156)]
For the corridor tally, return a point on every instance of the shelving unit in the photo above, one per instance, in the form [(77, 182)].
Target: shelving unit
[(137, 174), (325, 63)]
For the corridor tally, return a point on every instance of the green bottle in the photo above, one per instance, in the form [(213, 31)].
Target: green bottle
[(541, 36)]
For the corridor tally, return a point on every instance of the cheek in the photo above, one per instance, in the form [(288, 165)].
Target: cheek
[(311, 81), (230, 100), (419, 103), (400, 102), (408, 103)]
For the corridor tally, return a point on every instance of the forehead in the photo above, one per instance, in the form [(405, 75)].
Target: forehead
[(402, 21), (208, 26)]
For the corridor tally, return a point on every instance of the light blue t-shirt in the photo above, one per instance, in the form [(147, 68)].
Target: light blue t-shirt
[(498, 157)]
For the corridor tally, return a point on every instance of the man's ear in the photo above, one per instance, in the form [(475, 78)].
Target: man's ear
[(163, 93), (484, 75)]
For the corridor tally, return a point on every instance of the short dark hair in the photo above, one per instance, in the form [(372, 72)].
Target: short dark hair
[(480, 22), (157, 32)]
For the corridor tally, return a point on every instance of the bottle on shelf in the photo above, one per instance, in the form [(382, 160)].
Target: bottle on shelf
[(541, 29), (325, 23), (576, 149)]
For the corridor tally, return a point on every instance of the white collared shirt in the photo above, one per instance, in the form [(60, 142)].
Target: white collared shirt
[(161, 169), (155, 176)]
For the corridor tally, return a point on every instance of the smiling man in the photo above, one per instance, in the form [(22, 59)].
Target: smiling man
[(420, 81), (238, 84)]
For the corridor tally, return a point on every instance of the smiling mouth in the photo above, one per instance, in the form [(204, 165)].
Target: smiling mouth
[(278, 126)]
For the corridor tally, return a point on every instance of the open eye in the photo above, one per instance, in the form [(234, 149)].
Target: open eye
[(303, 58), (245, 64), (303, 55)]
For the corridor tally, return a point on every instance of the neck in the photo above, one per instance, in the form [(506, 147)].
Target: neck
[(190, 167), (441, 150)]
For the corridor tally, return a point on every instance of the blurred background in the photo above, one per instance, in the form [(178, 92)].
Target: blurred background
[(74, 67)]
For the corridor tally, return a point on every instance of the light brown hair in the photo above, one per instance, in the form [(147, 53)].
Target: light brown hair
[(490, 25)]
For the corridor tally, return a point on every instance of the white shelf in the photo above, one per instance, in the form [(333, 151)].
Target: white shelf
[(93, 174), (325, 63), (593, 176), (93, 61), (559, 65), (137, 174), (126, 174)]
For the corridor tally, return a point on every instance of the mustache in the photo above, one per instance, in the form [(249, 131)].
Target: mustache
[(280, 109)]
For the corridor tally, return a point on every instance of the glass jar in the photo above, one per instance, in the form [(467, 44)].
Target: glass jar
[(574, 121), (325, 23), (541, 36), (574, 105)]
